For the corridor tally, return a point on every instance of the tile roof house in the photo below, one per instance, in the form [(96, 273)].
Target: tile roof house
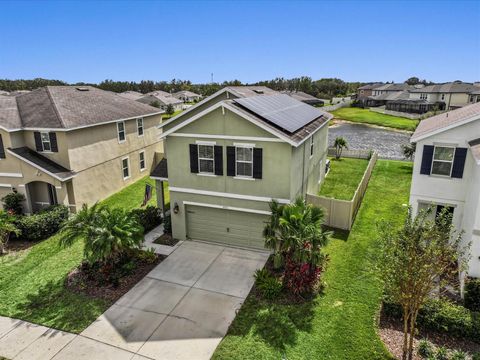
[(231, 154), (74, 145), (446, 172)]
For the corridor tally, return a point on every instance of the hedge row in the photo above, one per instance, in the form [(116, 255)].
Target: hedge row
[(43, 224)]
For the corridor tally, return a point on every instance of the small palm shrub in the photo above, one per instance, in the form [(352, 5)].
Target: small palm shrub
[(425, 349), (458, 355), (108, 234), (441, 354), (268, 285)]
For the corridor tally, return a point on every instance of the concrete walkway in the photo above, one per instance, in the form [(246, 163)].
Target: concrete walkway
[(180, 310)]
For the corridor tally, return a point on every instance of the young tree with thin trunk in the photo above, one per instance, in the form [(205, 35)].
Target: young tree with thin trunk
[(339, 144), (416, 261)]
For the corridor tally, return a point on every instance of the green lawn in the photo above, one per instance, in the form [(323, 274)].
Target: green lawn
[(369, 117), (340, 324), (31, 281), (166, 116), (343, 178), (131, 197)]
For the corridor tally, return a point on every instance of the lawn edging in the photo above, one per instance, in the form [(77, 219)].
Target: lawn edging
[(341, 213)]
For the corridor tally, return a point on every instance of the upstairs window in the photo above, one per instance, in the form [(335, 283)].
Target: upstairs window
[(443, 96), (142, 160), (311, 146), (121, 131), (206, 161), (46, 145), (443, 160), (244, 161), (140, 127), (423, 96)]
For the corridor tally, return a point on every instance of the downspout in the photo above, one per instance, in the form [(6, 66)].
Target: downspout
[(303, 167)]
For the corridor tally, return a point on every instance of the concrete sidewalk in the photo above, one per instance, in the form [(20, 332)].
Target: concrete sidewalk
[(180, 310)]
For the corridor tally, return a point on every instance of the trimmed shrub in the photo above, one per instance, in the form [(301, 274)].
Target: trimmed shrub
[(149, 217), (425, 349), (13, 202), (43, 224), (443, 316), (472, 294), (267, 284)]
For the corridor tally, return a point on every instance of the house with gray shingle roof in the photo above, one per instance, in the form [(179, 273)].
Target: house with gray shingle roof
[(446, 173), (187, 96), (74, 145), (160, 100)]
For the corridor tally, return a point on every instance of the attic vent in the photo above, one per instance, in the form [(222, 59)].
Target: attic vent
[(258, 91), (82, 88)]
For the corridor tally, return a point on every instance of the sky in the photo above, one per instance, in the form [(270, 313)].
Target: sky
[(250, 40)]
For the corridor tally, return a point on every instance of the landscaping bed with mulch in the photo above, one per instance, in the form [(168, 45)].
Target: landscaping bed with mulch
[(91, 282), (166, 239), (391, 333)]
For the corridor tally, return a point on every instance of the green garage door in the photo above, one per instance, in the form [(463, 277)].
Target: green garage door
[(228, 227)]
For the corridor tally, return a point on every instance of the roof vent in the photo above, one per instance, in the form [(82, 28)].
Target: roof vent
[(258, 91), (82, 88)]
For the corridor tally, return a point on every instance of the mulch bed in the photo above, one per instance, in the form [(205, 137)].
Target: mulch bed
[(78, 282), (391, 333), (166, 239)]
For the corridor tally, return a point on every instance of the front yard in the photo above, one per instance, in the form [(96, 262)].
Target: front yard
[(370, 117), (341, 323), (32, 280), (343, 178)]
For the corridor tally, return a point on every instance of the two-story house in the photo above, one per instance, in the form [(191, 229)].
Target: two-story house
[(231, 154), (74, 145), (446, 172), (187, 96)]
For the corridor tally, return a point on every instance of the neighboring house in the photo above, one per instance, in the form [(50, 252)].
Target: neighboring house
[(231, 154), (391, 88), (131, 95), (367, 90), (387, 92), (187, 96), (158, 99), (446, 172), (304, 97), (74, 145)]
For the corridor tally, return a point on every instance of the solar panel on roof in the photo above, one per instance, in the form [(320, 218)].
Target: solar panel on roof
[(281, 110)]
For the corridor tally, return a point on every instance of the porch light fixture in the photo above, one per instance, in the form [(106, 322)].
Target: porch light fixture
[(176, 208)]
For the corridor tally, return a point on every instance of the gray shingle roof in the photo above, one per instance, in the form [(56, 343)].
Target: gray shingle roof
[(132, 95), (370, 86), (70, 107), (163, 100), (9, 115), (452, 87), (247, 91), (186, 93), (43, 163), (161, 170), (394, 87), (390, 96)]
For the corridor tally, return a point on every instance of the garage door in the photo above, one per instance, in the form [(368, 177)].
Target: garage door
[(228, 227)]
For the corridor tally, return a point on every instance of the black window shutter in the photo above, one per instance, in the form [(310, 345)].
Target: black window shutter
[(459, 162), (194, 158), (230, 160), (53, 141), (38, 141), (2, 150), (218, 156), (426, 160), (257, 163)]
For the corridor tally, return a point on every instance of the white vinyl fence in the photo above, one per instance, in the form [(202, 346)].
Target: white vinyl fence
[(341, 213)]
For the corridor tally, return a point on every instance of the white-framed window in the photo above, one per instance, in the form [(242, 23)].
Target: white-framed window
[(244, 161), (311, 146), (141, 158), (45, 137), (443, 160), (423, 96), (140, 126), (206, 159), (126, 168), (121, 131), (472, 98), (443, 96)]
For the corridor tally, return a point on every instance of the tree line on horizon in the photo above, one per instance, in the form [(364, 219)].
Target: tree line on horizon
[(325, 88)]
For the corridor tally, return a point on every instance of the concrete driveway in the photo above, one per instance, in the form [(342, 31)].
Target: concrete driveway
[(180, 310)]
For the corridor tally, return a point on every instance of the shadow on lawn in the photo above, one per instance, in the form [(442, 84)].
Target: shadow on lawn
[(57, 307)]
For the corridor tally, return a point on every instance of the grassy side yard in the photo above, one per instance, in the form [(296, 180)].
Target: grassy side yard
[(343, 178), (31, 281), (369, 117), (340, 324), (166, 116)]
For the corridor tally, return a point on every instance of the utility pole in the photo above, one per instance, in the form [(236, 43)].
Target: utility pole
[(211, 76)]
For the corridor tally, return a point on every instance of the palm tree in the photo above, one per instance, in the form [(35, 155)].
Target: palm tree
[(339, 144), (107, 234), (7, 227)]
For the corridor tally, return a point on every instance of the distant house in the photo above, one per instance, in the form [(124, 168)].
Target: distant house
[(446, 172), (74, 145), (159, 98), (453, 95), (187, 96), (367, 90), (131, 95), (304, 97)]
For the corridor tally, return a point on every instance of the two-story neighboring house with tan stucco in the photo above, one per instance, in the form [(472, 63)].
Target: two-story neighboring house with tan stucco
[(74, 145), (231, 154)]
